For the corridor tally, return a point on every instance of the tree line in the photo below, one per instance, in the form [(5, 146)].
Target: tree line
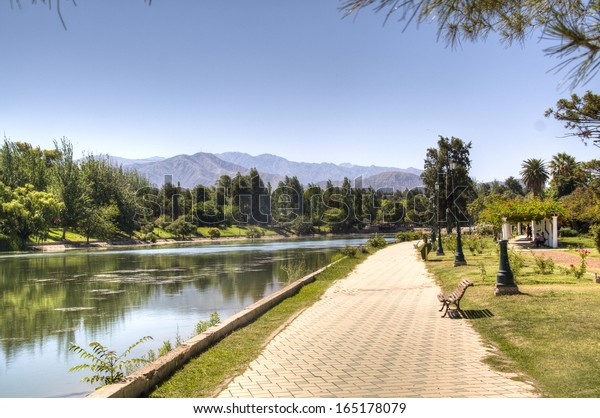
[(50, 191), (44, 191)]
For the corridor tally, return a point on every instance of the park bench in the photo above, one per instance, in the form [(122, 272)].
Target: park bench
[(454, 297)]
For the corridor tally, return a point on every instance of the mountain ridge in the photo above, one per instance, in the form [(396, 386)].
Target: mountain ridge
[(206, 168)]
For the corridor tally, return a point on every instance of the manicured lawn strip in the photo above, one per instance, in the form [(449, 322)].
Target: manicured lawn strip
[(582, 240), (550, 332), (210, 371)]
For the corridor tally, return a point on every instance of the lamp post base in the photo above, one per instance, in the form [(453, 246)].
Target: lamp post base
[(506, 290), (459, 263)]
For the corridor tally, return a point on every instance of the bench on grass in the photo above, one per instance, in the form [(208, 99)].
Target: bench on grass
[(454, 297)]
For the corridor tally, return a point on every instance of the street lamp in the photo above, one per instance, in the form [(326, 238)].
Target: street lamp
[(433, 235), (440, 249), (459, 257)]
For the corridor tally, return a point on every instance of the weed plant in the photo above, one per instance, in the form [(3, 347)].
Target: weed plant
[(376, 241), (295, 269), (107, 366)]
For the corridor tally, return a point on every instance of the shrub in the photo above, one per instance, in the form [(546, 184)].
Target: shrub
[(302, 226), (336, 257), (568, 232), (376, 241), (516, 261), (162, 221), (253, 232), (543, 265), (150, 237), (485, 229), (595, 231), (408, 236), (449, 242), (349, 251), (180, 227), (214, 233), (147, 228)]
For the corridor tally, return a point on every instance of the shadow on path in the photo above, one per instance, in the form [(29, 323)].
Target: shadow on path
[(470, 314)]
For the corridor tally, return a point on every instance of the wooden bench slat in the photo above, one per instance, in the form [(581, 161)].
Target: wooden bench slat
[(454, 297)]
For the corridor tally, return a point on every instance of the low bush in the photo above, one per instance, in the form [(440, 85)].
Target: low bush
[(408, 236), (568, 232), (253, 232), (376, 241), (595, 231), (150, 237), (543, 265), (214, 233), (516, 261), (349, 251)]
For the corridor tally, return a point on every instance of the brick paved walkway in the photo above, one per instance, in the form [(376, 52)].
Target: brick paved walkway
[(377, 333)]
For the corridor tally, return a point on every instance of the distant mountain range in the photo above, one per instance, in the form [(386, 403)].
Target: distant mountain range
[(205, 168)]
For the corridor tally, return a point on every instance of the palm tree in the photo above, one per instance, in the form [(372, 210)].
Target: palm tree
[(566, 173), (563, 164), (534, 175)]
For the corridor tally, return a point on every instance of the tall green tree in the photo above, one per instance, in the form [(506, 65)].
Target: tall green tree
[(68, 184), (514, 186), (572, 25), (26, 212), (288, 200), (315, 205), (261, 198), (534, 175), (21, 164), (100, 221), (455, 187), (566, 173)]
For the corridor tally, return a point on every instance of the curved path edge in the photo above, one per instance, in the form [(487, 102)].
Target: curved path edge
[(377, 333)]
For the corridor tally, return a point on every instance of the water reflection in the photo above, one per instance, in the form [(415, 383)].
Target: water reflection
[(116, 297)]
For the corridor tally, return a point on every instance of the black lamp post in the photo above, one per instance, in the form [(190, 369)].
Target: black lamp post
[(505, 284), (440, 249), (433, 235), (459, 257)]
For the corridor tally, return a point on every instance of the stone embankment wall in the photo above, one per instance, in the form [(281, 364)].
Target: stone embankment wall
[(146, 379)]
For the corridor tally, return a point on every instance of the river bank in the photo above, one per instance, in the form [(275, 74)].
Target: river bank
[(117, 296), (138, 243), (135, 243)]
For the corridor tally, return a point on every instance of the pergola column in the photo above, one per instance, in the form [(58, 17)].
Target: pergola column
[(506, 229), (554, 231)]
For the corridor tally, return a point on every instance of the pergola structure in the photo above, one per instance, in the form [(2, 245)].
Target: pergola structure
[(549, 226), (542, 215)]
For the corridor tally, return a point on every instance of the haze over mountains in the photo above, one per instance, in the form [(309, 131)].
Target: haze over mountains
[(205, 168)]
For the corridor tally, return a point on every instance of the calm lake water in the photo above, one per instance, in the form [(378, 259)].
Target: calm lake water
[(116, 297)]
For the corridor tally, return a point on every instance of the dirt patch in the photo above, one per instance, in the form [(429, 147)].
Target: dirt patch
[(567, 258)]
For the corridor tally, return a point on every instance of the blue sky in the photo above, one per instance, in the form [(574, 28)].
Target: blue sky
[(287, 77)]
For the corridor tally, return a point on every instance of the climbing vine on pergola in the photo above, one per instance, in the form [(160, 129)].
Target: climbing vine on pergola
[(519, 210)]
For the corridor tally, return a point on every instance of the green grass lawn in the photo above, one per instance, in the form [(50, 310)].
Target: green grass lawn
[(55, 235), (582, 241), (235, 231), (550, 332)]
